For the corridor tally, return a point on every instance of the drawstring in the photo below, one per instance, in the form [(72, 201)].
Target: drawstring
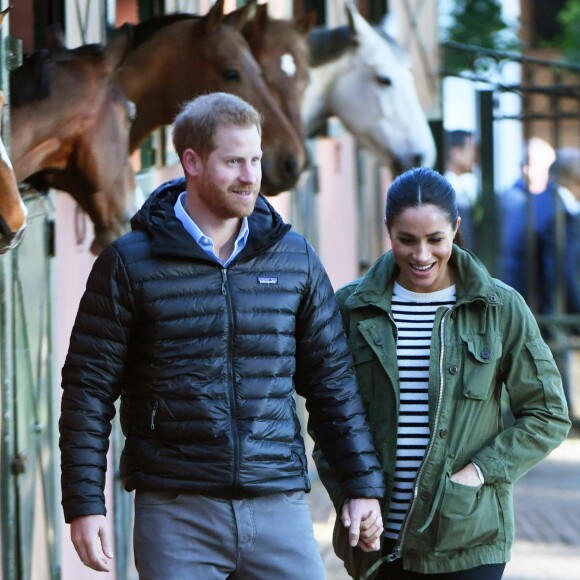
[(374, 567)]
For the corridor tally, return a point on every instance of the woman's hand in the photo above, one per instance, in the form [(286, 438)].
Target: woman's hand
[(467, 476), (363, 518)]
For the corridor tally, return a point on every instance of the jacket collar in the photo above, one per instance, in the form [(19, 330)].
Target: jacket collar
[(169, 237), (376, 288)]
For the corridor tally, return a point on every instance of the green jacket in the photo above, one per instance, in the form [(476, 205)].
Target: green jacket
[(486, 354)]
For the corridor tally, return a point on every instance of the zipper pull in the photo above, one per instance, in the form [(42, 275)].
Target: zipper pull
[(153, 413), (394, 555), (224, 281)]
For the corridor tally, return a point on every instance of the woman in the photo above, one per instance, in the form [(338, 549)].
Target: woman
[(461, 339)]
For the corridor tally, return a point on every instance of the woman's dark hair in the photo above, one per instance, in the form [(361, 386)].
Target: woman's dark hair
[(420, 186)]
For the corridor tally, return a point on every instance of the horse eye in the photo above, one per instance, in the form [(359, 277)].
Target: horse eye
[(231, 74), (385, 81)]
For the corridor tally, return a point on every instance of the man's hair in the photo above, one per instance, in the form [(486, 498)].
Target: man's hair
[(196, 125)]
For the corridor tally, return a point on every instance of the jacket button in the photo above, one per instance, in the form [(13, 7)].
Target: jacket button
[(378, 341), (425, 495), (485, 354), (492, 298), (453, 369), (443, 433)]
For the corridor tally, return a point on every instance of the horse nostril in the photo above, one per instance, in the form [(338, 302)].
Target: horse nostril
[(291, 166), (417, 160)]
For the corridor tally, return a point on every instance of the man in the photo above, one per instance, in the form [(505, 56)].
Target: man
[(461, 153), (540, 245), (205, 319)]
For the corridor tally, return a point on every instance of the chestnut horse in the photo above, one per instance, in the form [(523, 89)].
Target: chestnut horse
[(362, 76), (281, 48), (176, 57), (13, 212), (70, 130)]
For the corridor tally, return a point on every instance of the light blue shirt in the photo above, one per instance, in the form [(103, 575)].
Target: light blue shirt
[(204, 242)]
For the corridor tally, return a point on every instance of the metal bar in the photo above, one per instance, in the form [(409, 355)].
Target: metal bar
[(488, 234), (512, 56)]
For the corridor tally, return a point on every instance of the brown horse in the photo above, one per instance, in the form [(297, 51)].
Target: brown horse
[(13, 212), (176, 57), (12, 209), (70, 130), (280, 46)]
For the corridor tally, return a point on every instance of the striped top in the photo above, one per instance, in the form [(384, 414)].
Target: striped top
[(414, 315)]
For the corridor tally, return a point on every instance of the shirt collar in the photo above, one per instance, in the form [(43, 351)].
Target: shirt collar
[(205, 242)]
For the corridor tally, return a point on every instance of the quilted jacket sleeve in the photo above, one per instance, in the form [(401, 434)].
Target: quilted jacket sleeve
[(326, 378), (91, 383)]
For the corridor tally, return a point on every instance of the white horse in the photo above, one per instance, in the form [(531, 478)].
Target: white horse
[(362, 76)]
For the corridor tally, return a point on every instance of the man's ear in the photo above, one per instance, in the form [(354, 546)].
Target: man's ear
[(190, 161)]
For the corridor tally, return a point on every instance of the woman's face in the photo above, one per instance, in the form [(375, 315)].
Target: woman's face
[(422, 239)]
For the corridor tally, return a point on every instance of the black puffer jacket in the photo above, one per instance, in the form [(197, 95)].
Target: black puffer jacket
[(206, 360)]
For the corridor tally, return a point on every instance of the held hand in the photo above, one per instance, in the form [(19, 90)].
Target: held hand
[(362, 516), (467, 476), (91, 538)]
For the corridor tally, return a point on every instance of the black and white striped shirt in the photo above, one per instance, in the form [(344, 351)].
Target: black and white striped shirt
[(414, 315)]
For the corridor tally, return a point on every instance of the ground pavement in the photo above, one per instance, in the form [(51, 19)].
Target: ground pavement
[(547, 513)]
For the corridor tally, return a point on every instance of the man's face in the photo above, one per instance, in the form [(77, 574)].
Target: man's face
[(229, 178), (465, 156)]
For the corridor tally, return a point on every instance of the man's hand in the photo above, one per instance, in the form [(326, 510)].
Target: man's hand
[(362, 516), (92, 541)]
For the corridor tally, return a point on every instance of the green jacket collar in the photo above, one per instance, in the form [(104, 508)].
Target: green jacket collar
[(376, 288)]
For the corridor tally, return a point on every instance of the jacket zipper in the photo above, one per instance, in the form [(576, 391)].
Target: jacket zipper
[(397, 549), (233, 409)]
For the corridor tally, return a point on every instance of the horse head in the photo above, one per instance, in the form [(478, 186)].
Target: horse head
[(73, 132), (280, 46), (366, 81), (13, 212), (178, 57)]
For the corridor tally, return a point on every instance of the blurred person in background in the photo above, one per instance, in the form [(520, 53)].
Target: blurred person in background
[(539, 250), (460, 158)]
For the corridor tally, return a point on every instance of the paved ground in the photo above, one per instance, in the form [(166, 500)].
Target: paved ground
[(547, 503)]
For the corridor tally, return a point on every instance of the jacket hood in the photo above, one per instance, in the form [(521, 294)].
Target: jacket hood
[(169, 237), (475, 282)]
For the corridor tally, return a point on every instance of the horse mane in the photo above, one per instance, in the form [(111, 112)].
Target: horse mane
[(143, 31), (30, 81), (327, 45)]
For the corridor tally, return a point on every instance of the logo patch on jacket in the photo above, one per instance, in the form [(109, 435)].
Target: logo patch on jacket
[(267, 280)]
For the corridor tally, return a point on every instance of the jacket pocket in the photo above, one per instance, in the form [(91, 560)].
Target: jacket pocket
[(480, 363), (469, 517)]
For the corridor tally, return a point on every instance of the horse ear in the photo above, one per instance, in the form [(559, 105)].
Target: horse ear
[(238, 18), (254, 30), (306, 22), (213, 18), (390, 24), (356, 22), (54, 38), (119, 46), (350, 18)]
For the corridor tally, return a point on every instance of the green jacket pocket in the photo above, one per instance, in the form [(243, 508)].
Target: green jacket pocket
[(469, 517)]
